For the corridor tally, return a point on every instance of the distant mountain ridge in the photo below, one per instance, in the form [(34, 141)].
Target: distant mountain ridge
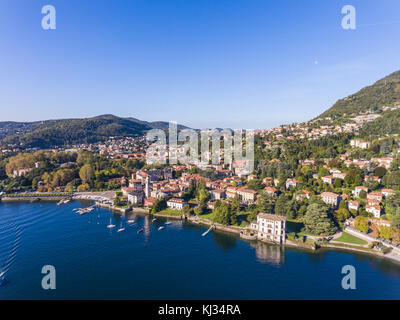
[(62, 132), (384, 92)]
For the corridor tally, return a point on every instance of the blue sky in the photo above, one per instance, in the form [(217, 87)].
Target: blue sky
[(203, 63)]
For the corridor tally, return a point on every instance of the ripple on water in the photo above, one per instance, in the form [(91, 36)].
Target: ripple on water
[(10, 239)]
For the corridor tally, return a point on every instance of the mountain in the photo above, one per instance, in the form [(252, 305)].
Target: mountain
[(50, 133), (384, 92)]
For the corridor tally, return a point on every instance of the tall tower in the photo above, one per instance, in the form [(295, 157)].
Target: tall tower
[(147, 188)]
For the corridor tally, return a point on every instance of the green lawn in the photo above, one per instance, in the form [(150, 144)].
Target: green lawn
[(208, 216), (171, 211), (348, 238)]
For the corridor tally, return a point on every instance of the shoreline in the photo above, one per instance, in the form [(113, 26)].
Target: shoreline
[(195, 220)]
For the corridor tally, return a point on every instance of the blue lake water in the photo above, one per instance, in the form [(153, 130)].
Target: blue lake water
[(94, 262)]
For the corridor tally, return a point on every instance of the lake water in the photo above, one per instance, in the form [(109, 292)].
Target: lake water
[(94, 262)]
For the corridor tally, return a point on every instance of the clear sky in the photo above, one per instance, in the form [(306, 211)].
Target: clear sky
[(203, 63)]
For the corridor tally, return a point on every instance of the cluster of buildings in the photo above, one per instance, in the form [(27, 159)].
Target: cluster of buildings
[(374, 199), (145, 186)]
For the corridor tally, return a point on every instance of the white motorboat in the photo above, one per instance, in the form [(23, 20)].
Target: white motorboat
[(120, 228), (160, 228), (110, 226)]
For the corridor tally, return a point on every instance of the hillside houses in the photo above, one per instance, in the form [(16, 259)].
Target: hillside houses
[(291, 183), (331, 199), (360, 144)]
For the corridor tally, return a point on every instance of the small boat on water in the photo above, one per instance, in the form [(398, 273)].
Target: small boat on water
[(160, 228), (140, 230), (82, 211), (131, 221), (110, 226), (120, 228), (168, 222), (154, 219), (63, 201)]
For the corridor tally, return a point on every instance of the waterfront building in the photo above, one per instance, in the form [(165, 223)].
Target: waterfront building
[(176, 203), (269, 227)]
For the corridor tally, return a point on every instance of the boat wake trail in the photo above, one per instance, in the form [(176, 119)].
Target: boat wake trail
[(10, 239)]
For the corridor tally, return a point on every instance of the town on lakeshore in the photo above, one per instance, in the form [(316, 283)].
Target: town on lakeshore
[(332, 182)]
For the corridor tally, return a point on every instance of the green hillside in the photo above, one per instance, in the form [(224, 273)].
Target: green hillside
[(384, 92), (388, 123), (50, 133)]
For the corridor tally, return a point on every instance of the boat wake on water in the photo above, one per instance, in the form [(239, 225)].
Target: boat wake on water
[(10, 239)]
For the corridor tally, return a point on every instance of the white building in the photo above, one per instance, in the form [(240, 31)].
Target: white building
[(269, 227), (374, 209), (331, 198), (176, 203)]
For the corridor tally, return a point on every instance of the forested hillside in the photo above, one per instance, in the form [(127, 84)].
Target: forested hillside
[(384, 92)]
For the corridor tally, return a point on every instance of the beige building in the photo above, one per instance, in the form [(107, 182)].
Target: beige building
[(269, 227), (176, 203), (374, 209), (330, 198)]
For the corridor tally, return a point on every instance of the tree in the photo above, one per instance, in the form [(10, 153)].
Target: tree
[(316, 220), (84, 187), (117, 202), (338, 183), (374, 230), (386, 232), (396, 223), (343, 204), (86, 173), (199, 210), (255, 184), (204, 196), (222, 213), (362, 224), (265, 203), (233, 218), (392, 180), (281, 205), (341, 214), (235, 206), (159, 205), (362, 194), (380, 172)]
